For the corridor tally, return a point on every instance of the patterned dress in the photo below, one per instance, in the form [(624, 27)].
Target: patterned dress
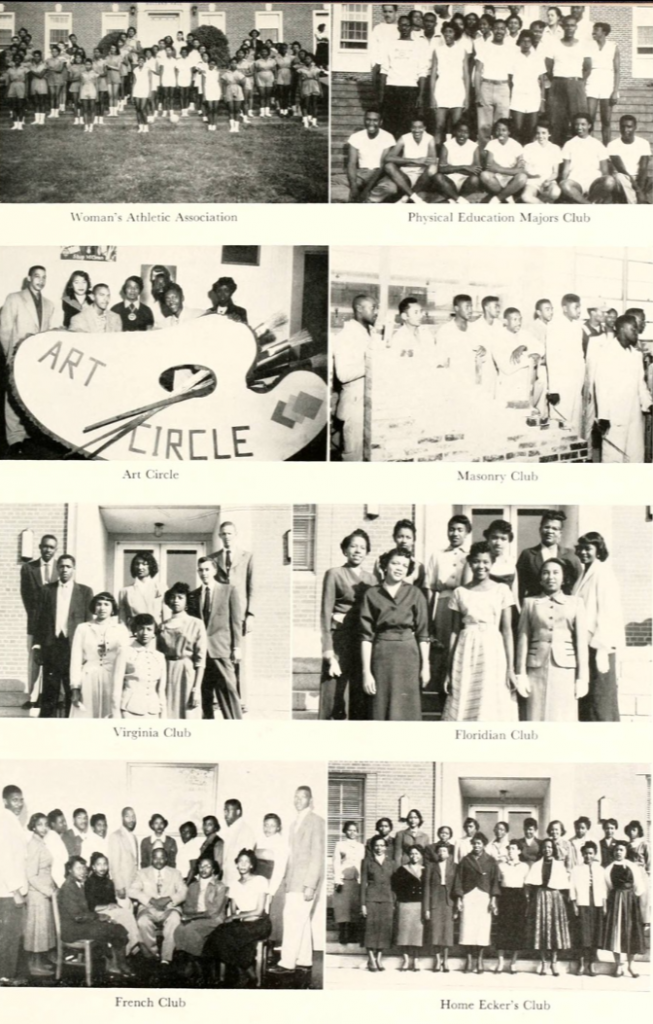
[(548, 922)]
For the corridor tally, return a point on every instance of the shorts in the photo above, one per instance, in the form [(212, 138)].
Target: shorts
[(600, 85), (584, 180), (526, 102), (457, 179), (449, 95)]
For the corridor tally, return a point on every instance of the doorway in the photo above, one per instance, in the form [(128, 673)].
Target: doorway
[(177, 562)]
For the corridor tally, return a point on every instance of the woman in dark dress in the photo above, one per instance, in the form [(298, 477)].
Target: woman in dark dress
[(78, 923), (76, 296), (384, 829), (624, 932), (439, 905), (341, 693), (203, 909), (411, 836), (213, 845), (548, 923), (377, 902), (394, 631), (509, 930), (408, 885), (101, 898)]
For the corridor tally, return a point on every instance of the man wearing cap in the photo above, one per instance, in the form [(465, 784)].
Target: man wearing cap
[(221, 296)]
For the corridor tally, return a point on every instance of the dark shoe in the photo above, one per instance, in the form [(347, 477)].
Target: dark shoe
[(280, 971), (513, 969), (27, 706), (13, 983), (372, 967), (554, 971), (633, 973), (445, 969), (380, 967)]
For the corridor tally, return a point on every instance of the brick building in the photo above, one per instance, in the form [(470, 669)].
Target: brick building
[(104, 539), (51, 23), (446, 794), (319, 530)]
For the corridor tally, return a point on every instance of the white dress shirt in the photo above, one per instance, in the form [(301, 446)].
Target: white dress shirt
[(237, 837), (64, 597), (57, 848)]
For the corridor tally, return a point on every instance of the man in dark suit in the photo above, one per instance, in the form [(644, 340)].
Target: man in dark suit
[(33, 577), (236, 569), (531, 560), (222, 294), (218, 606), (63, 606)]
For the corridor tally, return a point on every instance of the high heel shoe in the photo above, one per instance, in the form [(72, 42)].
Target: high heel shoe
[(542, 970), (554, 971)]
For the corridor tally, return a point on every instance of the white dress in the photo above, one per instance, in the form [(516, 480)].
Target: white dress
[(93, 656), (600, 84), (450, 84)]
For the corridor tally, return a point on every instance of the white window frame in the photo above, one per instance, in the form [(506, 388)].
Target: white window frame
[(261, 16), (338, 28), (49, 28), (110, 21), (643, 62), (216, 18), (159, 549), (10, 18)]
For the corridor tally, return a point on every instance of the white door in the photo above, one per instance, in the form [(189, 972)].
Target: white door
[(352, 35), (642, 41), (270, 25), (156, 21), (177, 562), (488, 814), (115, 21)]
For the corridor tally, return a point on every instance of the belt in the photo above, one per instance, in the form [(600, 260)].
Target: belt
[(496, 81), (567, 78)]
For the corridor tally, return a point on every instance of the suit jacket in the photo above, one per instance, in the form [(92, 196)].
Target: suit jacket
[(305, 868), (73, 911), (19, 319), (31, 586), (86, 322), (240, 576), (432, 884), (225, 625), (72, 843), (46, 619), (147, 849), (529, 566), (144, 887), (376, 880), (473, 873), (234, 312), (123, 858), (551, 628)]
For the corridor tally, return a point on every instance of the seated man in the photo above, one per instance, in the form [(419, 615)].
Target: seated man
[(504, 176), (542, 162), (586, 174), (159, 891), (367, 151), (460, 166), (97, 318), (631, 160), (410, 167), (517, 356)]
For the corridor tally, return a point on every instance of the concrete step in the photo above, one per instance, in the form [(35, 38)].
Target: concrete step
[(526, 965), (13, 699), (305, 716), (11, 685), (13, 713)]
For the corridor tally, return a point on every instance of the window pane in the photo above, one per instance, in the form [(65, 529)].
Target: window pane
[(181, 568), (487, 819), (127, 561), (354, 27), (304, 538), (483, 518)]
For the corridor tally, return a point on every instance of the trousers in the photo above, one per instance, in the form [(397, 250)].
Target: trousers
[(220, 683), (150, 922), (297, 943), (11, 931)]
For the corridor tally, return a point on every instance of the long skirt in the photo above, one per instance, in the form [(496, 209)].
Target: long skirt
[(479, 688), (234, 943), (509, 928), (191, 938), (439, 930), (589, 928), (548, 921), (343, 699), (410, 929), (97, 692), (347, 902), (476, 919), (39, 934), (552, 696), (623, 932), (181, 681), (396, 667), (378, 925), (602, 702)]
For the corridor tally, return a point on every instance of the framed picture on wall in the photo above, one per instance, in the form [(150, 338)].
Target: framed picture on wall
[(179, 792), (90, 253), (241, 255)]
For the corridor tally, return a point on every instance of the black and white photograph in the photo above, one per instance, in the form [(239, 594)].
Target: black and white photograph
[(83, 83), (216, 354), (489, 878), (472, 613), (484, 103), (144, 614), (522, 355), (134, 875)]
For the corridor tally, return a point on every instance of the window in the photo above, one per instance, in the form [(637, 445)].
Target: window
[(270, 25), (355, 27), (177, 563), (644, 40), (57, 29), (115, 21), (487, 815), (218, 19), (304, 529), (7, 29), (346, 803)]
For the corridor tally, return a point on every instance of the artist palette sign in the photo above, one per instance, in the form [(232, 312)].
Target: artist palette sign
[(128, 396)]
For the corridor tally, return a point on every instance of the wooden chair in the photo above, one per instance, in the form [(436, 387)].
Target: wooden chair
[(262, 948), (83, 950)]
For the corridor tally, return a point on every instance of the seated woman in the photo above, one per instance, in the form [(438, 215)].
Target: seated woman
[(78, 923), (203, 910), (234, 942), (598, 590), (341, 693), (548, 923), (93, 658), (39, 935), (394, 633), (504, 175), (272, 854), (101, 898), (144, 596), (158, 841), (552, 661), (182, 641), (139, 677)]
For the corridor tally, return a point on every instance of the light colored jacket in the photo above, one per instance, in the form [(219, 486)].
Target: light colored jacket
[(123, 858), (19, 319), (598, 589), (305, 868)]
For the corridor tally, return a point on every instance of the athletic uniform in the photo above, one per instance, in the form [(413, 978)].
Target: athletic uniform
[(450, 84)]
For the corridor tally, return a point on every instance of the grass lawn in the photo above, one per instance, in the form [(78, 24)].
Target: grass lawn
[(270, 162)]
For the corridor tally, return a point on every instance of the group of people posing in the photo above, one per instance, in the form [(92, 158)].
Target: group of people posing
[(538, 638), (536, 896), (173, 79), (147, 655), (194, 906), (590, 375), (485, 110)]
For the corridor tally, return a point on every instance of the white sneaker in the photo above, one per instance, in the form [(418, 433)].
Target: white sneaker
[(21, 126), (404, 199), (510, 199), (454, 202), (495, 201), (174, 118), (184, 113), (150, 119), (418, 200), (15, 127), (462, 201)]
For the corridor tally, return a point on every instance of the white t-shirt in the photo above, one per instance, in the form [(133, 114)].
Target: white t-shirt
[(168, 66), (544, 161), (632, 154), (506, 155), (212, 86), (461, 156), (585, 156), (568, 60), (383, 35), (405, 62), (497, 60), (184, 72), (142, 83), (527, 71), (371, 150)]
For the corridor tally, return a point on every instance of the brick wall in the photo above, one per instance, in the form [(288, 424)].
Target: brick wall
[(40, 519), (271, 638), (632, 561)]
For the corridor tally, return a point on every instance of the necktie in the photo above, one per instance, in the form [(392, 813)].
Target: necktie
[(228, 561), (206, 614)]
